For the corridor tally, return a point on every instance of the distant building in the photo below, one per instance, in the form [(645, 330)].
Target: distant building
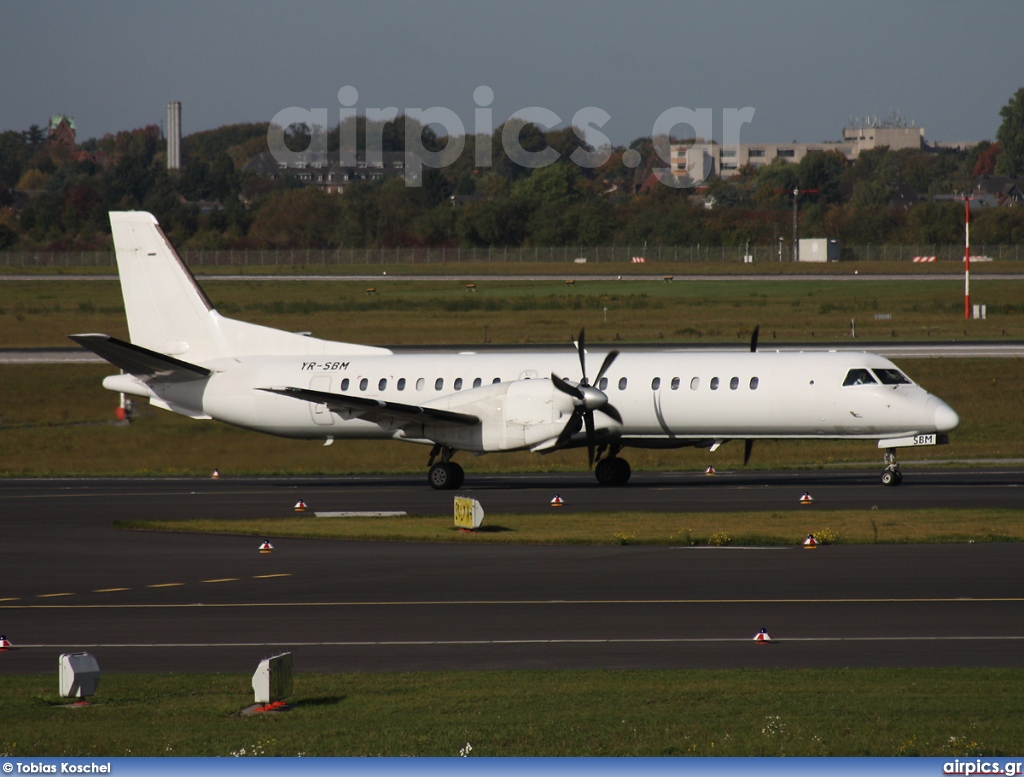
[(61, 136), (1005, 191), (61, 131), (334, 175), (721, 161)]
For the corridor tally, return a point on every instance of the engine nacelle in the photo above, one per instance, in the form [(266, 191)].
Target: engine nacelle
[(514, 415), (534, 412)]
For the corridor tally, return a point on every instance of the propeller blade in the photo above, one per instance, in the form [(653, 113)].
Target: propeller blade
[(565, 387), (589, 419), (610, 411), (753, 339), (571, 428), (581, 346), (748, 446), (605, 365)]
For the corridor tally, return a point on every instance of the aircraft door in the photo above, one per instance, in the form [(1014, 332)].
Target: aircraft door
[(321, 415)]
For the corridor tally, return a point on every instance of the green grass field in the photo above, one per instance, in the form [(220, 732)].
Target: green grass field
[(565, 526), (42, 313), (750, 712)]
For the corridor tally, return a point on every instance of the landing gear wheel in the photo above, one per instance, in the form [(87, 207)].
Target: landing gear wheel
[(446, 476), (613, 471), (892, 477)]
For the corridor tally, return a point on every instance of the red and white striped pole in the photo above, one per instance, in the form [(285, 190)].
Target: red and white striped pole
[(967, 258)]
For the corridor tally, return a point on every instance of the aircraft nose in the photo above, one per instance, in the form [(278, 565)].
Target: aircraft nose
[(944, 418)]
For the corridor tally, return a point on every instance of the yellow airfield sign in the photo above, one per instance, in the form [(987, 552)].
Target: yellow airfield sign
[(468, 513)]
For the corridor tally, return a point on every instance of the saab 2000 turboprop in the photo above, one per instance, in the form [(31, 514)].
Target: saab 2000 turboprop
[(186, 357)]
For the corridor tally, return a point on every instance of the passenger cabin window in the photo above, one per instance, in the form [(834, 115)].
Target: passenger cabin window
[(714, 384), (344, 385), (458, 384), (891, 377), (622, 384), (656, 384), (382, 384), (753, 383), (734, 383), (401, 384), (477, 382), (363, 384), (438, 384), (694, 384), (419, 384), (496, 380), (602, 384), (675, 384), (858, 377)]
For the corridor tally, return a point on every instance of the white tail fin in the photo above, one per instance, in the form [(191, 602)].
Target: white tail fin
[(168, 312)]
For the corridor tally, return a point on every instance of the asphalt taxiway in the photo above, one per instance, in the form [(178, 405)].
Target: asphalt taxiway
[(161, 602)]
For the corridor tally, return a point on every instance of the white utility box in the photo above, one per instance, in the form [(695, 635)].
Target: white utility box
[(79, 675), (819, 250), (273, 679)]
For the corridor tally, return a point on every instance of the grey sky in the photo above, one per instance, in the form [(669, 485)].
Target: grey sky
[(806, 66)]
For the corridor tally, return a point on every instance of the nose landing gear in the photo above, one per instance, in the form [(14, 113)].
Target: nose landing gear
[(891, 475)]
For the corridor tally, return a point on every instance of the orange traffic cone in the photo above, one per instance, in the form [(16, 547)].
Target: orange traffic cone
[(266, 547)]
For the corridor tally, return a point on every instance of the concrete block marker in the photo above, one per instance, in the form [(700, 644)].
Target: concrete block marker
[(79, 675), (271, 684)]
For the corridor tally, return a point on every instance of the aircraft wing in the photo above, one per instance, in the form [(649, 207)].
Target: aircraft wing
[(375, 409), (141, 362)]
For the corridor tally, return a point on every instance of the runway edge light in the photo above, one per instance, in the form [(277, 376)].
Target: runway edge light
[(215, 474), (710, 470), (810, 543), (557, 501), (300, 506), (806, 499), (266, 547), (5, 644), (762, 637)]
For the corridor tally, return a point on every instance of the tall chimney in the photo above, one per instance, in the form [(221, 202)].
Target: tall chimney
[(174, 136)]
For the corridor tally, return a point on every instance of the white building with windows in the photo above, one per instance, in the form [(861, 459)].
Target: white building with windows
[(716, 160)]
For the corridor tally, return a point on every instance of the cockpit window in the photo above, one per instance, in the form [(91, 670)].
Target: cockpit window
[(891, 377), (858, 377)]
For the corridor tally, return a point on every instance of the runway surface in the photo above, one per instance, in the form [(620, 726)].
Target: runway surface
[(161, 602)]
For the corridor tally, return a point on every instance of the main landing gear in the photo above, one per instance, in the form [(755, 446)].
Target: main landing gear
[(611, 470), (891, 475), (446, 475)]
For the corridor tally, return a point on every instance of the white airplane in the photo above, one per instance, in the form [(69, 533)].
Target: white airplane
[(186, 357)]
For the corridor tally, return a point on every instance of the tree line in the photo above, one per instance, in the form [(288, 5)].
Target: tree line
[(57, 198)]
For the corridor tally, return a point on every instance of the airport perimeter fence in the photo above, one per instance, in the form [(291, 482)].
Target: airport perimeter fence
[(580, 255)]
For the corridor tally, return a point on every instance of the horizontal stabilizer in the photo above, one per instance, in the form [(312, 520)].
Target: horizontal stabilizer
[(141, 362), (376, 409)]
